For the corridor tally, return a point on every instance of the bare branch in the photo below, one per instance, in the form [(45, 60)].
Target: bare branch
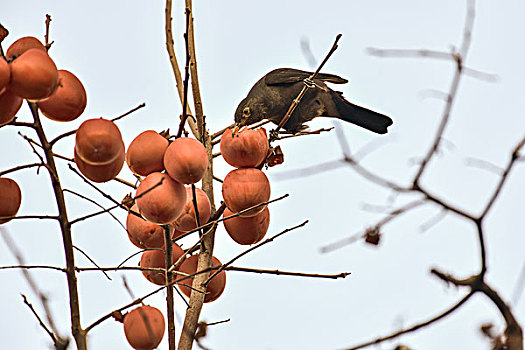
[(416, 326), (286, 273), (72, 132), (253, 248)]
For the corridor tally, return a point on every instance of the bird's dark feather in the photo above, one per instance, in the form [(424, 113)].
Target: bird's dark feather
[(289, 76)]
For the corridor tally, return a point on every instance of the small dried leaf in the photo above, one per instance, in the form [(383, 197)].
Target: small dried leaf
[(128, 201), (276, 157), (117, 315), (3, 33), (373, 235)]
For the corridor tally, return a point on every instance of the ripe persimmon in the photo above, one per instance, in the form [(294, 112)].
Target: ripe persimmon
[(187, 220), (214, 288), (157, 259), (22, 45), (244, 188), (9, 106), (10, 198), (34, 75), (101, 173), (249, 230), (186, 160), (146, 153), (144, 327), (5, 74), (245, 148), (98, 141), (144, 234), (164, 201), (69, 100)]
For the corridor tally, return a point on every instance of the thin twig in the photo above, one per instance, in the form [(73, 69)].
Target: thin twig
[(100, 212), (379, 225), (459, 58), (214, 221), (175, 65), (21, 167), (253, 248), (92, 261), (72, 132), (186, 78), (59, 343), (287, 273), (305, 88), (30, 281), (416, 326), (504, 176)]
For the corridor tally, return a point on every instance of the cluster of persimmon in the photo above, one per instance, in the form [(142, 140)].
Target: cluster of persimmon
[(247, 186), (27, 72), (165, 200)]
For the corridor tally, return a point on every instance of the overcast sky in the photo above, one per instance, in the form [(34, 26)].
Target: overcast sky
[(117, 49)]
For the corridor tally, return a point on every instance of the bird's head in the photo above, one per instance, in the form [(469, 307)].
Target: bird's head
[(243, 114), (247, 113)]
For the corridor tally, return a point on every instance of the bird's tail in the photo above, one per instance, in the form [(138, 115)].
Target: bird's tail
[(361, 116)]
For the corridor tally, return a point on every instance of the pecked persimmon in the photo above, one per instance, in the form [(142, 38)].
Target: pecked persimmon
[(34, 75), (146, 153), (101, 173), (215, 286), (164, 201), (9, 106), (157, 259), (249, 230), (69, 100), (10, 198), (98, 141), (144, 327), (186, 160), (142, 233), (22, 45), (5, 74), (187, 220), (245, 148), (244, 188)]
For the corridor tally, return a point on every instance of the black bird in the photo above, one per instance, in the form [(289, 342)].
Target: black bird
[(271, 97)]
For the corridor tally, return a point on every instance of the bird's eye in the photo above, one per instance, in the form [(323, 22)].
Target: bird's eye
[(246, 111)]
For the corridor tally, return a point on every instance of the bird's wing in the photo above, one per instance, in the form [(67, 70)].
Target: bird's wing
[(283, 76)]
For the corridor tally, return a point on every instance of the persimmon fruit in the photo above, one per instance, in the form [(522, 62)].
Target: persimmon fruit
[(144, 327), (164, 201), (9, 106), (98, 141), (34, 75), (69, 100), (145, 153), (248, 230), (23, 44), (245, 148), (214, 288), (186, 160), (10, 198), (144, 234), (5, 74), (157, 259), (244, 188), (101, 173), (187, 220)]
